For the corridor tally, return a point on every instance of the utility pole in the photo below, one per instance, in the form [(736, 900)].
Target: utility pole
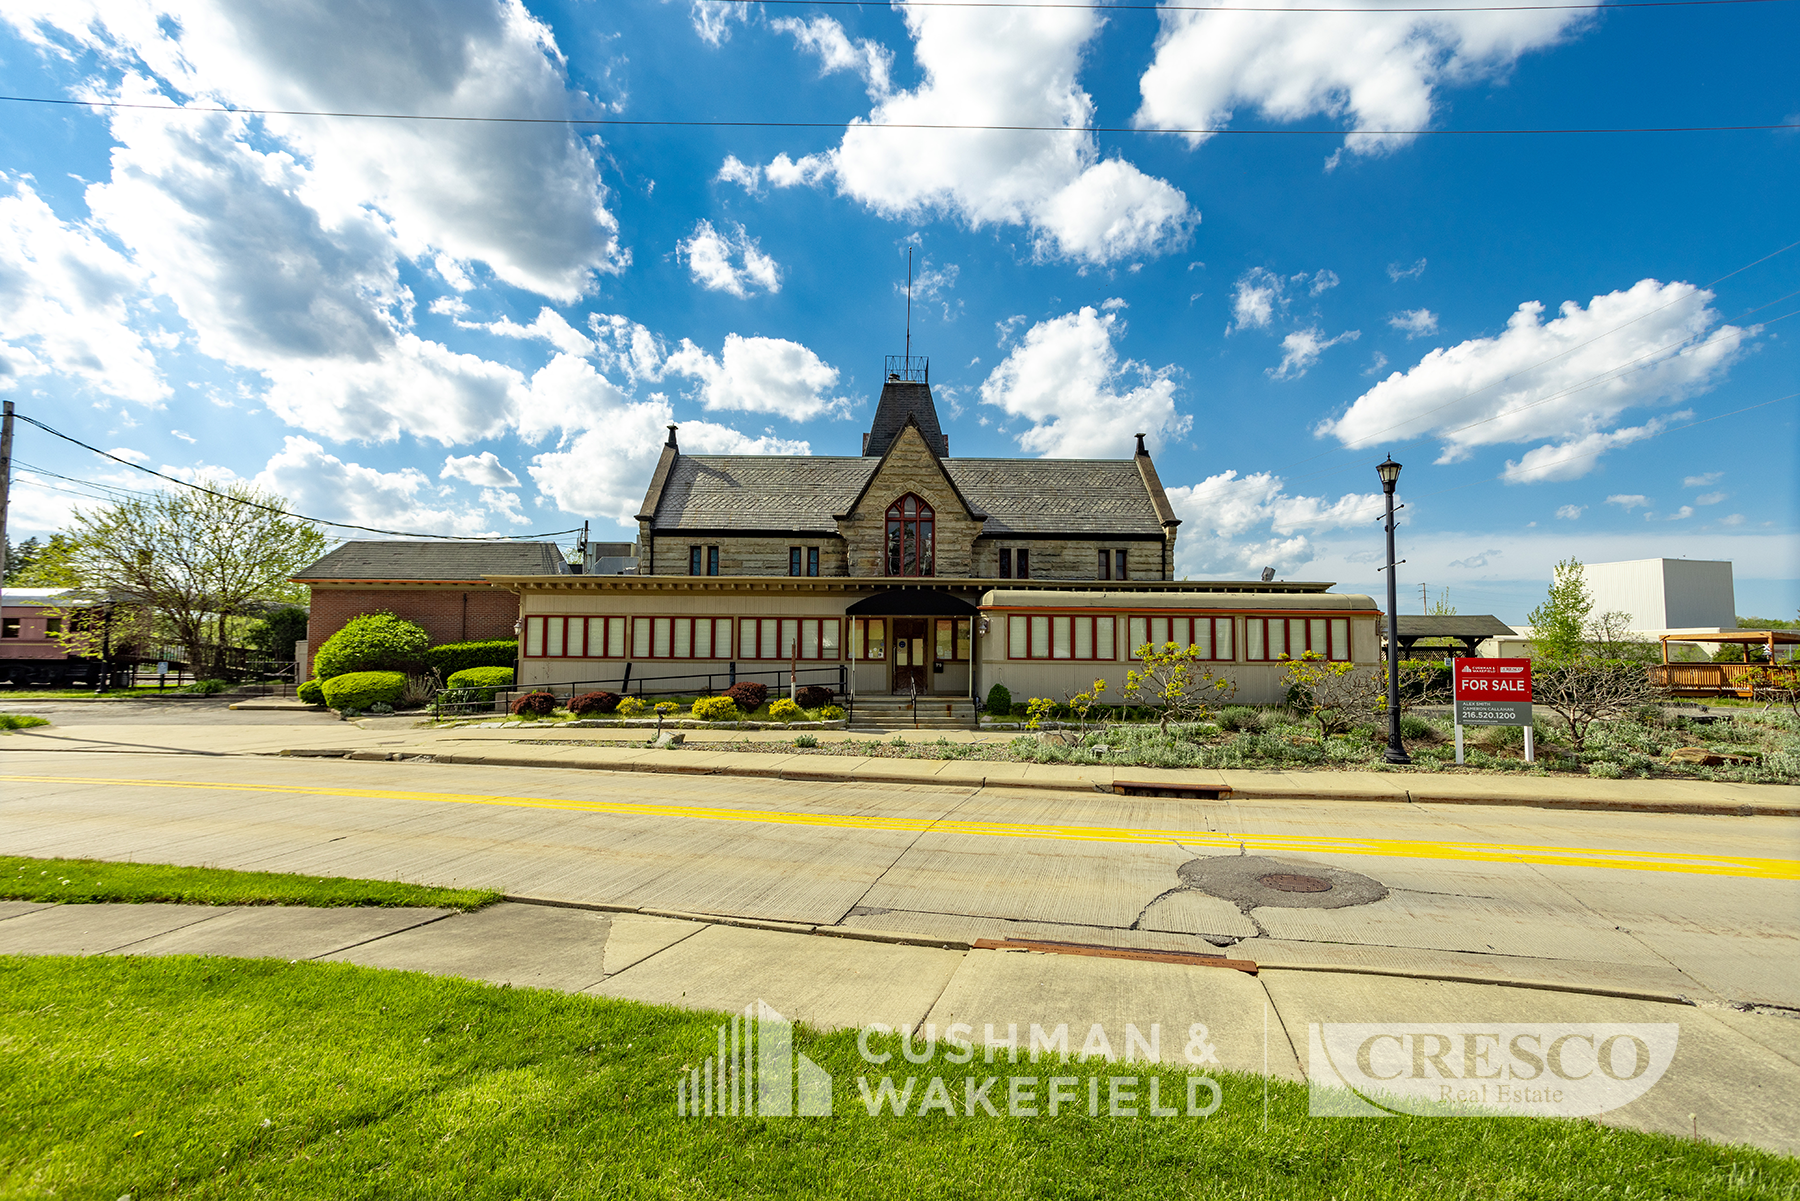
[(1424, 599), (6, 431)]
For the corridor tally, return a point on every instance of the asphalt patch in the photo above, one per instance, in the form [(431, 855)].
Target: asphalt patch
[(1252, 881)]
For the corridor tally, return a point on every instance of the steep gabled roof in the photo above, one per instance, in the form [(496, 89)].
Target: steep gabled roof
[(901, 399), (1057, 496), (442, 562), (759, 492)]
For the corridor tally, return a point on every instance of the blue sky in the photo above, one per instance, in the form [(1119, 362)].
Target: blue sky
[(482, 328)]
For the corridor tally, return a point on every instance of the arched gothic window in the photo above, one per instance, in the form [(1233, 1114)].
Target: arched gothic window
[(910, 537)]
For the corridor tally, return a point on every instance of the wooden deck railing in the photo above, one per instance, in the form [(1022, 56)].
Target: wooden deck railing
[(1704, 679)]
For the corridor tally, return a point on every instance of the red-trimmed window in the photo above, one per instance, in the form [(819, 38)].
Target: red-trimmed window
[(1211, 635), (953, 639), (1059, 636), (868, 637), (681, 638), (911, 537), (574, 638), (1268, 639), (777, 637)]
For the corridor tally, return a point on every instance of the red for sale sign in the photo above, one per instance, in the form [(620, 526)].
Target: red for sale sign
[(1493, 679)]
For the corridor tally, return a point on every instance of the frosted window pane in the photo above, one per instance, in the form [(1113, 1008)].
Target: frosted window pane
[(828, 639), (747, 638), (878, 638), (1340, 638), (1318, 635), (1015, 636), (640, 638), (684, 637), (809, 638), (1059, 637), (1103, 638), (1084, 638), (534, 636), (659, 641), (615, 637), (1222, 640), (790, 634), (1253, 630), (1203, 637), (770, 647), (1140, 634), (1159, 631), (703, 638), (1040, 637)]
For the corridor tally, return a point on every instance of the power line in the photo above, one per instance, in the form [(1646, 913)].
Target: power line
[(648, 123), (342, 525)]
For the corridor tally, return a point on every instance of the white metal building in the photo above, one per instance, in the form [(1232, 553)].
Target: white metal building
[(1665, 595)]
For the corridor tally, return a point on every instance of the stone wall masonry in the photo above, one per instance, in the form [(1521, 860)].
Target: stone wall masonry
[(449, 612), (910, 468), (748, 555), (1061, 559)]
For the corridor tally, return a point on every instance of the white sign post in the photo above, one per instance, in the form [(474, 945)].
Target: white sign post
[(1493, 692)]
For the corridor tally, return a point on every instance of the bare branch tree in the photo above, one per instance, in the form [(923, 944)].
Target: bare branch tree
[(1583, 691)]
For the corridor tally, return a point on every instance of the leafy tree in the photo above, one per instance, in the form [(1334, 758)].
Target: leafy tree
[(1559, 626), (1609, 636), (1169, 681), (34, 564), (198, 558), (276, 634)]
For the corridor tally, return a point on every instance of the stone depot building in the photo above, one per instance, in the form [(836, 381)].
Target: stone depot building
[(904, 568)]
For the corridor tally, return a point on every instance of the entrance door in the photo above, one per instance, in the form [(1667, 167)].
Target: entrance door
[(912, 656)]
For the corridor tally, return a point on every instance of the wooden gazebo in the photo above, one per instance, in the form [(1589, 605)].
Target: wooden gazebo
[(1718, 679)]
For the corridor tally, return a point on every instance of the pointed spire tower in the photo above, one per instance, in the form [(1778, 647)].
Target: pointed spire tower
[(906, 392)]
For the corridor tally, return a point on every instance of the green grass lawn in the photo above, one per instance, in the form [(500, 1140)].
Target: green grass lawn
[(32, 694), (204, 1077), (21, 721), (93, 880)]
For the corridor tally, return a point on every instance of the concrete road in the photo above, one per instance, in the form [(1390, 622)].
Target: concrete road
[(1657, 905)]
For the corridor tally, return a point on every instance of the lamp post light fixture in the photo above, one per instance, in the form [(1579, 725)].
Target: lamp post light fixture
[(1389, 471)]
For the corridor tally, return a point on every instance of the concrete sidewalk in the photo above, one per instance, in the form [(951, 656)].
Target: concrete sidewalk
[(1736, 1074)]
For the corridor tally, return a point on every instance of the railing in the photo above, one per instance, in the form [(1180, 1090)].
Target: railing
[(915, 368), (626, 683), (1709, 679)]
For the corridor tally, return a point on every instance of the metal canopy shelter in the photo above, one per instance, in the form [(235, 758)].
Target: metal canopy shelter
[(1471, 631)]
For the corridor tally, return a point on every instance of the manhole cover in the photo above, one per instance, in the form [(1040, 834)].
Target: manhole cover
[(1289, 882)]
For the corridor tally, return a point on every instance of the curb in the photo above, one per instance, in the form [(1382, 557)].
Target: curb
[(1240, 792)]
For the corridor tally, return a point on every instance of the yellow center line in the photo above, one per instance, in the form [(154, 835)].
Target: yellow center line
[(1396, 848)]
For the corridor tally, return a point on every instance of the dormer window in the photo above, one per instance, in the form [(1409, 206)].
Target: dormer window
[(910, 537)]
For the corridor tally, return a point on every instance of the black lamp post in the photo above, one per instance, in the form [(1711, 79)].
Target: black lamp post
[(1389, 471)]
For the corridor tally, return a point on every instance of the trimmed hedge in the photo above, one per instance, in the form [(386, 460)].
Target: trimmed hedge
[(479, 683), (748, 695), (450, 658), (718, 708), (594, 702), (312, 692), (359, 690), (534, 704), (371, 642), (999, 700), (786, 710), (811, 696)]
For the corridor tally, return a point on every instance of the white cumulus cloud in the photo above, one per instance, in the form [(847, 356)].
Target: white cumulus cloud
[(1566, 379), (1302, 348), (1571, 512), (759, 375), (1629, 501), (1371, 70), (320, 484), (1066, 379), (1235, 525), (1415, 323), (1000, 67), (709, 256), (484, 469), (826, 38)]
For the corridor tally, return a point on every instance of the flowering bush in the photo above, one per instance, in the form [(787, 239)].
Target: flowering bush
[(666, 708), (717, 708), (831, 713), (786, 710), (632, 706)]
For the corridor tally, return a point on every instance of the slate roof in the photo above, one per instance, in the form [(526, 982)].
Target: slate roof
[(901, 399), (760, 492), (437, 561), (1057, 496), (802, 493)]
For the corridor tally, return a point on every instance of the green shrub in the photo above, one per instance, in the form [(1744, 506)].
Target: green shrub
[(358, 690), (371, 642), (478, 684), (1239, 717), (717, 708), (1606, 771), (631, 706), (534, 704), (312, 692), (806, 742), (205, 687), (831, 713), (21, 721), (999, 700), (589, 704), (452, 657), (1416, 727), (785, 710)]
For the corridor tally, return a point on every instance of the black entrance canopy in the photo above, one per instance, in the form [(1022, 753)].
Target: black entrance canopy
[(911, 602), (1471, 631)]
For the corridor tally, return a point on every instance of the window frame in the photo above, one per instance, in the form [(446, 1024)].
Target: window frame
[(794, 560), (812, 561), (856, 651), (1179, 628), (1337, 635), (901, 531), (1006, 563), (1048, 629)]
